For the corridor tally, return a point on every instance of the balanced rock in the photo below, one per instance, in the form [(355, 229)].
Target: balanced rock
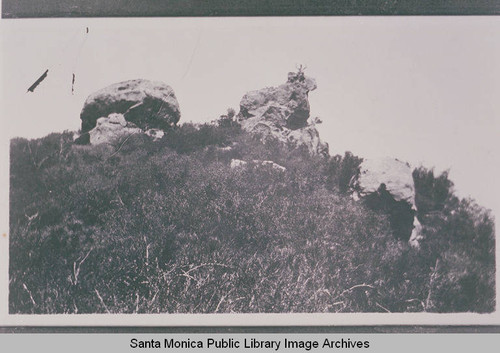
[(111, 129), (283, 112), (387, 184), (147, 104)]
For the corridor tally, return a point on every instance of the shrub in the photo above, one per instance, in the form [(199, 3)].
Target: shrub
[(340, 171)]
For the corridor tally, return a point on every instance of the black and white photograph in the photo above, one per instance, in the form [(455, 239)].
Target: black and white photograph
[(312, 167)]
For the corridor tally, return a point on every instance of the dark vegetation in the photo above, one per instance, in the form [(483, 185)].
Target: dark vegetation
[(168, 226)]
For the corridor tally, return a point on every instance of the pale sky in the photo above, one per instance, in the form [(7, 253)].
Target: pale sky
[(422, 89)]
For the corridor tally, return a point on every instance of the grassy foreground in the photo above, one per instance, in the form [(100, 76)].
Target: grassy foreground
[(169, 227)]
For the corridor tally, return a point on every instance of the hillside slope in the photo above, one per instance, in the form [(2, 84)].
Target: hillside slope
[(169, 227)]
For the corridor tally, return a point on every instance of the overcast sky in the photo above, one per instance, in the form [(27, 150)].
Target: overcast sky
[(422, 89)]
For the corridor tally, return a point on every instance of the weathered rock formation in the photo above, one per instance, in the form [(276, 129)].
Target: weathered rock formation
[(283, 112), (115, 128), (155, 134), (238, 163), (309, 136), (387, 184), (111, 129), (147, 104)]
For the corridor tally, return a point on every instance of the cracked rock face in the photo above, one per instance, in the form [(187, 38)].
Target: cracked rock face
[(283, 112), (147, 104)]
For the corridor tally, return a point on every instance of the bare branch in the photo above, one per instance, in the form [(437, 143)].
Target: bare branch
[(102, 301), (121, 145), (220, 302), (416, 300), (29, 292), (380, 306), (364, 285), (76, 267), (431, 282)]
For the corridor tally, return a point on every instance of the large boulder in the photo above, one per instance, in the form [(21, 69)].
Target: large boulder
[(387, 184), (283, 112), (147, 104)]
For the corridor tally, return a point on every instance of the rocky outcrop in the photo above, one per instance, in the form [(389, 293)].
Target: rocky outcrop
[(147, 104), (111, 129), (155, 134), (308, 136), (387, 184), (283, 112), (238, 163)]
